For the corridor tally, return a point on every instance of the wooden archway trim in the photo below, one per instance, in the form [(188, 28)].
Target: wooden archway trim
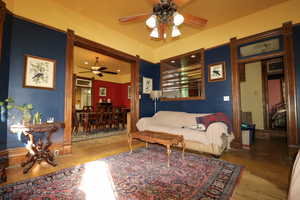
[(74, 40), (290, 80)]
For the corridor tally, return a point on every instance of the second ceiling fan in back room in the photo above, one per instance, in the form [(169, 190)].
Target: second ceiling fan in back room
[(164, 16), (97, 69)]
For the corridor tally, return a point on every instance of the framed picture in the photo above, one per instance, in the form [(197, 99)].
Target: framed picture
[(216, 72), (129, 96), (39, 72), (102, 92), (147, 85)]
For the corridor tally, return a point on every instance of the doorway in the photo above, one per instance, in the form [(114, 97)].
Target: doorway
[(263, 100), (75, 40), (285, 51), (101, 95)]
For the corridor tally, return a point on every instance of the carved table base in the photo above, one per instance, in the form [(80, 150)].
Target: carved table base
[(38, 152)]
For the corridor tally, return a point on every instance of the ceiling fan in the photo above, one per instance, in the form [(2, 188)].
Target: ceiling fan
[(165, 14), (97, 69)]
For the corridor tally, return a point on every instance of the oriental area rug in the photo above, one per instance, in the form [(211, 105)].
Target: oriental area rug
[(141, 175)]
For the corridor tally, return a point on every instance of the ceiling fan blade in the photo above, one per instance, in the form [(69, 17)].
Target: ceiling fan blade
[(85, 72), (108, 72), (193, 20), (181, 2), (102, 68), (135, 17), (84, 68)]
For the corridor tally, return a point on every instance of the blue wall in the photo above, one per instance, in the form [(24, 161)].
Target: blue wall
[(148, 70), (28, 38), (296, 37), (4, 75), (214, 90)]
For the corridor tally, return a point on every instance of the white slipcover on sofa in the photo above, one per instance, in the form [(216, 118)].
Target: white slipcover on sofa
[(214, 140)]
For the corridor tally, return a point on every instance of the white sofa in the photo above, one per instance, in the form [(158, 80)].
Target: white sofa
[(214, 140), (294, 191)]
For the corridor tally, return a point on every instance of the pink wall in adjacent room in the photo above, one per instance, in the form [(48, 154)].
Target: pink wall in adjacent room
[(116, 92), (274, 90)]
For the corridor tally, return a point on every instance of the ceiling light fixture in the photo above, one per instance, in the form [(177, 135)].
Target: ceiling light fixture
[(151, 21), (165, 13), (154, 33), (165, 16), (175, 31)]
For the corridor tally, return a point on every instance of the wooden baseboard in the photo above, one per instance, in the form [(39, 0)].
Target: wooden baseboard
[(17, 155)]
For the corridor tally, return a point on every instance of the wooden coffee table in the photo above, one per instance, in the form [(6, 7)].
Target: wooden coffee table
[(156, 137)]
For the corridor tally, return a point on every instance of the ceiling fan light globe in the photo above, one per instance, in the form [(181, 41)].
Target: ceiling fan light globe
[(95, 68), (154, 33), (178, 19), (175, 31), (96, 72), (151, 21)]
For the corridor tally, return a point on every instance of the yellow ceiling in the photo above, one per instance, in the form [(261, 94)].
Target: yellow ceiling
[(217, 12), (86, 58)]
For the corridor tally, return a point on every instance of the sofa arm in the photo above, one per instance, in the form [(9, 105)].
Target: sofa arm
[(218, 132), (143, 123)]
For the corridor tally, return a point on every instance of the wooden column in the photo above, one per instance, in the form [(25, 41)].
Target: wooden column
[(135, 94), (236, 99), (69, 93), (290, 82)]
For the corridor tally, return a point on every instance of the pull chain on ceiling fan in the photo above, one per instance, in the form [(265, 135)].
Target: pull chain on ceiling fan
[(97, 69), (165, 14)]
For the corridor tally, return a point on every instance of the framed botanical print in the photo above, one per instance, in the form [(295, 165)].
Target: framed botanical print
[(102, 92), (147, 85), (216, 72), (39, 72)]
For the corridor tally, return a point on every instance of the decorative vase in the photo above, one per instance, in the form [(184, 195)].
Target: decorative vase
[(2, 113), (26, 116), (37, 118)]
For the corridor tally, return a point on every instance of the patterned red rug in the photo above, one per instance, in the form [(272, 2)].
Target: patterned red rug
[(141, 175)]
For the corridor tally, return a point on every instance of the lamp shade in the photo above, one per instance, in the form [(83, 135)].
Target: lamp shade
[(178, 19), (154, 33), (155, 94), (151, 21), (175, 31)]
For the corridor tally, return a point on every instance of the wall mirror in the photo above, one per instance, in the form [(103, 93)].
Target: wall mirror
[(182, 77)]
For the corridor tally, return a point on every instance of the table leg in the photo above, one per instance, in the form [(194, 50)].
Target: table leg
[(130, 142), (31, 163), (183, 148), (168, 153)]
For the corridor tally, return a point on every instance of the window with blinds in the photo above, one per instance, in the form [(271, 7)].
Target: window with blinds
[(182, 77)]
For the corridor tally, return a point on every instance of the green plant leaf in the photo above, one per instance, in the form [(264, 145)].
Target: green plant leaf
[(10, 100), (9, 107), (29, 106), (1, 103)]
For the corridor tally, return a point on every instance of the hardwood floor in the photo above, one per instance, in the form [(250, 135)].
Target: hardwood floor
[(266, 174)]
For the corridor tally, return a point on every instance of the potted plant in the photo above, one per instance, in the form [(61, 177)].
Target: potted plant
[(25, 109)]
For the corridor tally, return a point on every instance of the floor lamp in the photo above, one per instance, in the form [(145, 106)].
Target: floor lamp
[(155, 95)]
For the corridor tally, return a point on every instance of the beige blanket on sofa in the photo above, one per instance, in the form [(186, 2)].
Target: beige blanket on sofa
[(181, 123)]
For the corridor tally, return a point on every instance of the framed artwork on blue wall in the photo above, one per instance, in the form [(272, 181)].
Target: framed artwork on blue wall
[(216, 72), (147, 85), (39, 72)]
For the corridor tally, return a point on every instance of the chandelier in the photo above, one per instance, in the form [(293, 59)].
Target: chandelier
[(164, 13)]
